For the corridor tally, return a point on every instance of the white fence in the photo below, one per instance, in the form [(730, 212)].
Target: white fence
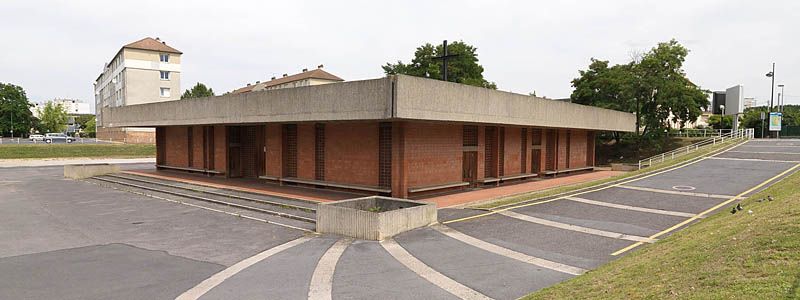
[(742, 134)]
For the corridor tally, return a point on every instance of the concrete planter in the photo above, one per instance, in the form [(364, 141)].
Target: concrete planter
[(89, 170), (375, 217)]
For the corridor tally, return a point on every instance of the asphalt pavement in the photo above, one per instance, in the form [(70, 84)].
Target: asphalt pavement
[(74, 240)]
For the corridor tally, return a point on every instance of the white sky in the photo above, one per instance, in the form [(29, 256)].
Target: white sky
[(57, 48)]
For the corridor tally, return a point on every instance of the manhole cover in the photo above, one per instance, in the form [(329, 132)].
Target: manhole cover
[(684, 188)]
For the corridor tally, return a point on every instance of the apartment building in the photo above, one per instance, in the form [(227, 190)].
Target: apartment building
[(317, 76), (145, 71)]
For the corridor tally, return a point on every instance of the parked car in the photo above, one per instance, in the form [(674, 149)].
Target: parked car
[(57, 137), (36, 137)]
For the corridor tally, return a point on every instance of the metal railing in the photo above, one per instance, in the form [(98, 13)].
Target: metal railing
[(688, 132), (742, 134)]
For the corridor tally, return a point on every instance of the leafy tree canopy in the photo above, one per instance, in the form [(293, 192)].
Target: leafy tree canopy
[(53, 118), (463, 68), (197, 91), (14, 105), (653, 84)]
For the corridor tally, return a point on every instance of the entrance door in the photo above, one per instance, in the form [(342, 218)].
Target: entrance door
[(470, 167), (536, 162)]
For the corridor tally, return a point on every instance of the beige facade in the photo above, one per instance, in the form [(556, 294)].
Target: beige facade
[(145, 71)]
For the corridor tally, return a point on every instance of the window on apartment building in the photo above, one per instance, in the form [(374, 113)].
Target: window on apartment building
[(163, 57), (164, 75), (164, 92)]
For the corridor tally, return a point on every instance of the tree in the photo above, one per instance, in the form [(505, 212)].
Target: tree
[(90, 128), (197, 91), (653, 85), (14, 106), (463, 68), (720, 122), (53, 118)]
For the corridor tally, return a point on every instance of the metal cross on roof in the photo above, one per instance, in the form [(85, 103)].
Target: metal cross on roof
[(445, 56)]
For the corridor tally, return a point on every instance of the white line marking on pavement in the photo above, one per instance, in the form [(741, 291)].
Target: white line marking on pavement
[(756, 159), (598, 232), (215, 280), (775, 146), (321, 286), (424, 271), (540, 262), (639, 188), (634, 208), (765, 152)]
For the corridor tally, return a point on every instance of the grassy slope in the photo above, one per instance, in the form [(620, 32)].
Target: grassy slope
[(564, 189), (725, 256), (10, 151)]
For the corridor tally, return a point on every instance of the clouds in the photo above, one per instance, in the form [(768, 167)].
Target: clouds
[(57, 48)]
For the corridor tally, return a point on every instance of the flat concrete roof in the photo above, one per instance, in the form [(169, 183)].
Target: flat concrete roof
[(396, 97)]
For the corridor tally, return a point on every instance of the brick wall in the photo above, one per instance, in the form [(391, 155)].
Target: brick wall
[(220, 148), (433, 153), (274, 140), (561, 149), (125, 136), (481, 153), (197, 147), (577, 148), (512, 151), (305, 151), (351, 153), (176, 146)]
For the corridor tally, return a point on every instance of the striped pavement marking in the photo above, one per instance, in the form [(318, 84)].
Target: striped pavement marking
[(756, 159), (704, 213), (321, 286), (633, 208), (765, 152), (598, 232), (646, 189), (424, 271), (203, 287), (483, 245)]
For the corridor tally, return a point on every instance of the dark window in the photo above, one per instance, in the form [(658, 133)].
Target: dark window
[(319, 151), (290, 150), (385, 154), (470, 135)]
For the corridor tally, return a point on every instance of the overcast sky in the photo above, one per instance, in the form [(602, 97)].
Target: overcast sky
[(55, 49)]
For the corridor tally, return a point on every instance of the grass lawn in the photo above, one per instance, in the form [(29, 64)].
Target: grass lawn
[(570, 188), (725, 256), (11, 151)]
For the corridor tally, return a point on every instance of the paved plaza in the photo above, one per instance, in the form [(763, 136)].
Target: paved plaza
[(70, 239)]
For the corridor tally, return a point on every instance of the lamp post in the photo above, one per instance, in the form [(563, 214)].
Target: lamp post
[(771, 75), (781, 97)]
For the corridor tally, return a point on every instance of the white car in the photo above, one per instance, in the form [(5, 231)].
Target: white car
[(36, 137), (57, 137)]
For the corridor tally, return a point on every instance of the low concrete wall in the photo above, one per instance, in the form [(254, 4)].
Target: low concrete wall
[(89, 170), (351, 218)]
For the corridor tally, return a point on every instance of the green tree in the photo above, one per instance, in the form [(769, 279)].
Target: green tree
[(197, 91), (464, 68), (720, 122), (14, 105), (654, 85), (90, 128), (53, 118)]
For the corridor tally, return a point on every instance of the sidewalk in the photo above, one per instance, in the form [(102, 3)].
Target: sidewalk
[(44, 162), (484, 195)]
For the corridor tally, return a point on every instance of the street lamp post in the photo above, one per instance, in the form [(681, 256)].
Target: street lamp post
[(771, 75), (781, 97)]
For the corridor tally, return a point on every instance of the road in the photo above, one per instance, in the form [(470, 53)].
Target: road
[(75, 240)]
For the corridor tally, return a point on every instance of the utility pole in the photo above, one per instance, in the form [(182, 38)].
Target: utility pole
[(445, 56), (771, 75)]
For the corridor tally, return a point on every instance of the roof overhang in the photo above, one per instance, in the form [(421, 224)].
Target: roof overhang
[(396, 97)]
